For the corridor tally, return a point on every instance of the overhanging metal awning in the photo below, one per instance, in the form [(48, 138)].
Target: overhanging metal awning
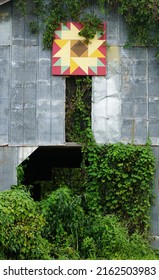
[(3, 1)]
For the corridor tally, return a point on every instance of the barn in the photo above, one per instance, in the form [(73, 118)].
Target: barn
[(124, 107)]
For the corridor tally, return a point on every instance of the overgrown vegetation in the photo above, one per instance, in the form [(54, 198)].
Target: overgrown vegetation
[(117, 176), (142, 17), (78, 108), (104, 215), (120, 177), (21, 227), (76, 235), (59, 228), (51, 13)]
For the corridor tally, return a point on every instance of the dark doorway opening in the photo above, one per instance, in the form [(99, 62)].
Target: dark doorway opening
[(42, 163)]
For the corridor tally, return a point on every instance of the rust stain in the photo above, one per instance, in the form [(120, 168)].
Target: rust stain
[(113, 53), (3, 16), (133, 130)]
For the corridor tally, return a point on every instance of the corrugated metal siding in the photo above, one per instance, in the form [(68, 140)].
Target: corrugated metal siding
[(126, 102), (33, 101)]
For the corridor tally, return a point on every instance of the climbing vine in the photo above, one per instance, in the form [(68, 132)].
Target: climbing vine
[(120, 179), (78, 108), (142, 17), (116, 177), (51, 13)]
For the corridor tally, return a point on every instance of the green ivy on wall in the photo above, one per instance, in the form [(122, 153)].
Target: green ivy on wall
[(51, 13), (142, 17), (120, 179)]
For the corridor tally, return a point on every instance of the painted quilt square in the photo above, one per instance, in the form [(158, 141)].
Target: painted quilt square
[(72, 56)]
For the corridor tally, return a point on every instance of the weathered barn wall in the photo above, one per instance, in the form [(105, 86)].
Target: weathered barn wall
[(32, 101), (125, 103)]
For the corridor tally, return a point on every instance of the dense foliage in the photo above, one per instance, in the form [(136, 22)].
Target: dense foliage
[(142, 18), (59, 228), (119, 182), (21, 226), (114, 179), (76, 235)]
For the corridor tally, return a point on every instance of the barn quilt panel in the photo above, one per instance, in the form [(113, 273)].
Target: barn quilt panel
[(72, 56)]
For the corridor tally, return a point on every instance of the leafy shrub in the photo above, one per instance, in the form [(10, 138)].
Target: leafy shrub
[(63, 231), (21, 226), (75, 235), (140, 248), (64, 216), (109, 239), (73, 178), (2, 256)]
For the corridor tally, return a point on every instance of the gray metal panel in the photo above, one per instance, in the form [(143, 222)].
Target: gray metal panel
[(5, 25), (4, 93), (37, 100), (113, 28), (106, 100), (16, 125), (4, 65), (58, 109), (8, 157), (126, 102), (18, 29)]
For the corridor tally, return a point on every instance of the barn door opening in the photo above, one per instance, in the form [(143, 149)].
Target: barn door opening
[(78, 106)]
